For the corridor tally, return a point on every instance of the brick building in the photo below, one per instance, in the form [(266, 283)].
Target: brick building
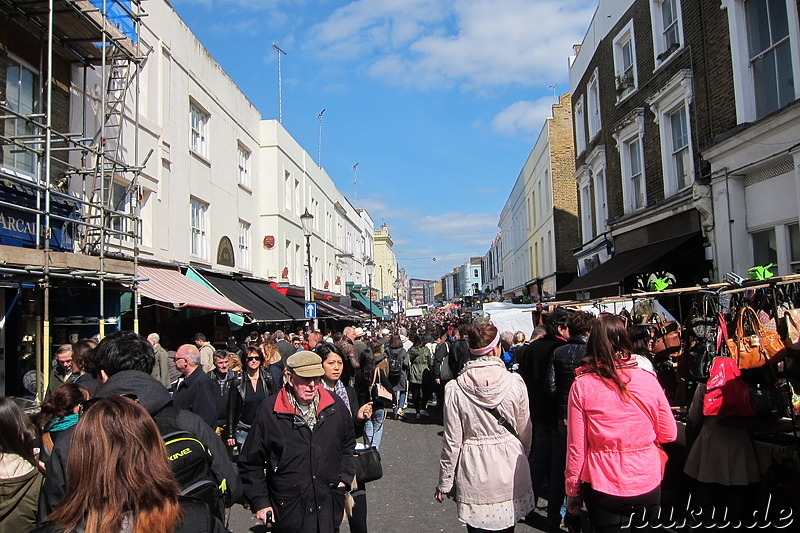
[(651, 85)]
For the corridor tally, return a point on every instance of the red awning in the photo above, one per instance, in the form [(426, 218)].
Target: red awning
[(169, 285)]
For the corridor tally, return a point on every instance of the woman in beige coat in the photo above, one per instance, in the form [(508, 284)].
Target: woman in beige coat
[(487, 438)]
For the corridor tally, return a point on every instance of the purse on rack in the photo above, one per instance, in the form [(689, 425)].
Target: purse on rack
[(380, 396), (700, 340), (726, 393), (667, 336), (751, 345)]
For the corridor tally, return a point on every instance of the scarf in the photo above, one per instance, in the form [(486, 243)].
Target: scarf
[(307, 413), (340, 391), (60, 424)]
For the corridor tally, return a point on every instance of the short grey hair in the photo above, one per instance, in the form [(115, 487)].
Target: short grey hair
[(193, 355), (279, 334), (507, 337), (154, 337), (403, 332)]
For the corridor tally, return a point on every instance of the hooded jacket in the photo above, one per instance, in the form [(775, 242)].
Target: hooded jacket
[(153, 396), (20, 483), (481, 458), (303, 467)]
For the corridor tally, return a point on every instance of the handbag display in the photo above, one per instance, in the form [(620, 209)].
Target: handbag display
[(380, 396), (700, 341), (751, 345), (726, 393), (667, 336), (368, 464)]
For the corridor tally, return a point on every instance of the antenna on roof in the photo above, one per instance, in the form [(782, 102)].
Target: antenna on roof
[(552, 87), (319, 154), (355, 183), (280, 88)]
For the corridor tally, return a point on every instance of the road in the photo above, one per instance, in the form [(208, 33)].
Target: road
[(402, 501)]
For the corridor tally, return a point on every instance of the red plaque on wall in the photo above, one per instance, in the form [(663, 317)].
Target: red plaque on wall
[(285, 273), (269, 241)]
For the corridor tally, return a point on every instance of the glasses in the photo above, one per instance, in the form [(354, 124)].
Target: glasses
[(176, 359), (86, 404), (254, 359)]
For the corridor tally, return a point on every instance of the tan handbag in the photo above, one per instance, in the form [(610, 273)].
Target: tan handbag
[(751, 345)]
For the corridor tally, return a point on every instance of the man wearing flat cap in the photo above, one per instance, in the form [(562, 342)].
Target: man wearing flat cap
[(303, 439)]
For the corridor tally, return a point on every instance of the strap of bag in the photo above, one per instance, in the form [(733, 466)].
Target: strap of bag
[(503, 421), (374, 377), (47, 440), (639, 403)]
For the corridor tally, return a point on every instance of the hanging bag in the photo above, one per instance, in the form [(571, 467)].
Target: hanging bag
[(667, 338), (726, 393), (751, 345)]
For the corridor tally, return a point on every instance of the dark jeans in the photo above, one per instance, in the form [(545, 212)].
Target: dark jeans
[(545, 442), (417, 396), (613, 514), (471, 529)]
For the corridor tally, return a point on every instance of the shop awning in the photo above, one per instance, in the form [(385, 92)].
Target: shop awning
[(263, 311), (334, 312), (368, 305), (640, 260), (282, 303), (170, 286)]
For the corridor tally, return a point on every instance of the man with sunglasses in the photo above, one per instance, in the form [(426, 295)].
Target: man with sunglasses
[(194, 390), (303, 440)]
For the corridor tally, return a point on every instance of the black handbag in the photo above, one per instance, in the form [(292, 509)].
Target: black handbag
[(368, 465)]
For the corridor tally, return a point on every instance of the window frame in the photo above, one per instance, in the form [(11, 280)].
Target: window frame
[(244, 157), (579, 120), (630, 133), (597, 165), (593, 106), (9, 161), (198, 235), (200, 135), (245, 239), (621, 71), (586, 202), (661, 50)]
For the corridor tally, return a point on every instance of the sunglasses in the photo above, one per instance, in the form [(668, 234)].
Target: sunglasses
[(254, 359), (86, 404)]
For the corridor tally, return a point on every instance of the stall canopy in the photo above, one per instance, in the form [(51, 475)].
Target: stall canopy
[(170, 286), (660, 255), (282, 303), (364, 300), (263, 311)]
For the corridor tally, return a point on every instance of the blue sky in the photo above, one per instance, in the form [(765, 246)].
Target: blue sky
[(438, 101)]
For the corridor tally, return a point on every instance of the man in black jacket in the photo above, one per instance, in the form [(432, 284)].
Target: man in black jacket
[(124, 361), (195, 391), (303, 440)]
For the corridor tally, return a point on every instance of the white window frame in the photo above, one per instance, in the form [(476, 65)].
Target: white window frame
[(597, 165), (198, 229), (593, 106), (198, 129), (579, 119), (10, 159), (632, 132), (243, 171), (245, 245), (662, 50), (585, 196), (621, 70), (288, 182), (743, 79), (127, 206), (675, 94)]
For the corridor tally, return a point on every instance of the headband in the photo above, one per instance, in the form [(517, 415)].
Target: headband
[(486, 349)]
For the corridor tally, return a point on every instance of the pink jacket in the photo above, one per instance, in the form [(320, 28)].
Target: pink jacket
[(610, 440)]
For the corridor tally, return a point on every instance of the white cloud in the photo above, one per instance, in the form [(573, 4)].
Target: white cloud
[(474, 44), (523, 117)]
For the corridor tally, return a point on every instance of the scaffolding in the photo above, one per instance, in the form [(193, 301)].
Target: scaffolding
[(88, 168)]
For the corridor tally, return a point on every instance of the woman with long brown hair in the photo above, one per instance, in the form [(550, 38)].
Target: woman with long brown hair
[(617, 415), (120, 479), (248, 390)]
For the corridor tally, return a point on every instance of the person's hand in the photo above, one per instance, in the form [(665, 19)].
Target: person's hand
[(438, 495), (341, 485), (574, 505), (365, 411), (231, 442), (438, 381), (265, 515)]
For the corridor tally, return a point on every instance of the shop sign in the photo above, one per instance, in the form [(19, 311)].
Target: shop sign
[(225, 256), (18, 228)]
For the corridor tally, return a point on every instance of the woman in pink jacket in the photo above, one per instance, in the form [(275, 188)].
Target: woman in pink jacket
[(616, 414)]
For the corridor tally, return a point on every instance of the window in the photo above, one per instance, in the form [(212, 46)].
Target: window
[(629, 140), (244, 245), (244, 166), (633, 154), (765, 249), (794, 248), (597, 164), (679, 137), (580, 126), (593, 92), (121, 200), (670, 106), (198, 244), (625, 61), (667, 29), (287, 190), (198, 130), (22, 94), (770, 57), (586, 193), (764, 54)]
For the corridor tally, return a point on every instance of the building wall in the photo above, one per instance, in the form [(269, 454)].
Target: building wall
[(385, 263)]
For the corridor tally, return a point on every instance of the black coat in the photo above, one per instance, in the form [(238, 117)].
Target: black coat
[(54, 487), (198, 394), (303, 467), (236, 398), (561, 371), (533, 359)]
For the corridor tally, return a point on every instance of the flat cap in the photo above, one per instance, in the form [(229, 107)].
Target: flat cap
[(305, 364)]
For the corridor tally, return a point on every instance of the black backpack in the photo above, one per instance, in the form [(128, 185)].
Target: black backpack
[(395, 364), (190, 460)]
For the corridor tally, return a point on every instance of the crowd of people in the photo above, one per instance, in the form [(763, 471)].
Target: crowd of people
[(574, 415)]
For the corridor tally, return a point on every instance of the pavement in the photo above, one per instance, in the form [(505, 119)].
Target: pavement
[(402, 501)]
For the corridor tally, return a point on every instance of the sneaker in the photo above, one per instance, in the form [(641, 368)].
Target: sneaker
[(419, 415), (399, 414), (424, 412)]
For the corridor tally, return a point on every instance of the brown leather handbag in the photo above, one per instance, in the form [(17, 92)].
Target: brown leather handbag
[(752, 345), (667, 336)]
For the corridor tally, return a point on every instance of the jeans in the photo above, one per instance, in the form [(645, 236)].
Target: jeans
[(401, 401), (373, 428), (545, 442), (418, 396)]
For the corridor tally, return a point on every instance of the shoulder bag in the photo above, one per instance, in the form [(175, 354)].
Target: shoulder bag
[(751, 345), (380, 397), (661, 453)]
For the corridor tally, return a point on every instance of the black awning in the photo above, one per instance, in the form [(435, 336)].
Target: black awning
[(353, 313), (656, 256), (326, 306), (262, 310), (322, 311), (281, 302)]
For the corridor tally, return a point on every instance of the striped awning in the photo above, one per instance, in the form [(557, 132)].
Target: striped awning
[(170, 286)]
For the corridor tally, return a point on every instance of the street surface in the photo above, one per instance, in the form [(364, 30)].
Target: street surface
[(402, 501)]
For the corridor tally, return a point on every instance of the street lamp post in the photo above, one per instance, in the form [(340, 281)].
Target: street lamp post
[(306, 220)]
